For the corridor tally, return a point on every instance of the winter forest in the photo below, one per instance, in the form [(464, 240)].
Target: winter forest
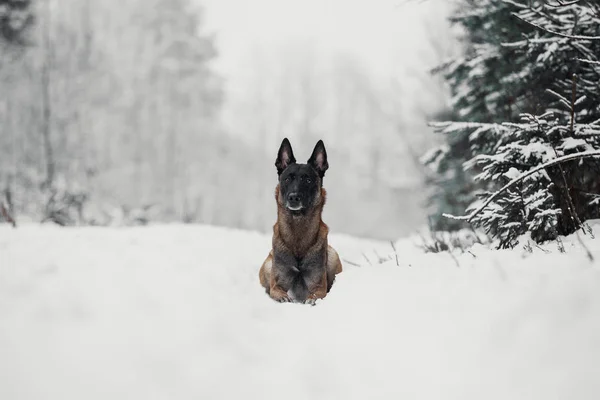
[(117, 114), (125, 114), (138, 148)]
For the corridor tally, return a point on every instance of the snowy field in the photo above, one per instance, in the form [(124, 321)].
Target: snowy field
[(177, 312)]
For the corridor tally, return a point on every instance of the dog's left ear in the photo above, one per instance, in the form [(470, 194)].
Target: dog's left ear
[(318, 159)]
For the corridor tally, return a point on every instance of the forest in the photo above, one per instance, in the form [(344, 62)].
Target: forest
[(522, 154), (117, 114)]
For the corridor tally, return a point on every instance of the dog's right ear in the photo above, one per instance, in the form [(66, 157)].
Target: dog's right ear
[(285, 157)]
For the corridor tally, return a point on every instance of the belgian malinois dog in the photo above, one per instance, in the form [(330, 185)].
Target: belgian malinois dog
[(302, 266)]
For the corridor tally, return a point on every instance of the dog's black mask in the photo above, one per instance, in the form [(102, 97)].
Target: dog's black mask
[(300, 184)]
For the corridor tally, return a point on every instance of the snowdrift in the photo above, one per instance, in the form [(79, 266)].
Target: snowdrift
[(176, 312)]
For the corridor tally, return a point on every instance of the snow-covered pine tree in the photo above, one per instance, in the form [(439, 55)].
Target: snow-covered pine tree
[(479, 95), (15, 17), (530, 80)]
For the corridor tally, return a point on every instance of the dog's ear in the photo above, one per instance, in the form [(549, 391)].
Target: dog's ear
[(318, 159), (285, 156)]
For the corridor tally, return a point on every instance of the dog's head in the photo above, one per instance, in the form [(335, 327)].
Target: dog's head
[(300, 184)]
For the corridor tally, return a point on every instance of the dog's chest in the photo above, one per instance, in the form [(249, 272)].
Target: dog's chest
[(303, 269), (299, 276), (302, 277)]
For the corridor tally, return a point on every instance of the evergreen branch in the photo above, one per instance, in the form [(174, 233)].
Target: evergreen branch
[(580, 100), (571, 205), (562, 4), (586, 130), (526, 42), (589, 134), (588, 61), (575, 37), (516, 4), (560, 98), (559, 160), (452, 126), (540, 14)]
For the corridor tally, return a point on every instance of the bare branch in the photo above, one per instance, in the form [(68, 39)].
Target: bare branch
[(367, 258), (395, 252), (454, 258), (351, 262), (588, 253), (4, 213)]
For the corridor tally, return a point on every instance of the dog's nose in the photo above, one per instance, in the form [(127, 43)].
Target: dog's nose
[(294, 198)]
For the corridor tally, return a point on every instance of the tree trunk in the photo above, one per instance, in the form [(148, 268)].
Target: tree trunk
[(46, 107)]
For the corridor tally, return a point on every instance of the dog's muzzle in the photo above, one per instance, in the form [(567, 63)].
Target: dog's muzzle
[(294, 202)]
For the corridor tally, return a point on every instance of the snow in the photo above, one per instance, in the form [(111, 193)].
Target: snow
[(551, 50), (177, 312), (571, 143), (542, 151), (512, 173)]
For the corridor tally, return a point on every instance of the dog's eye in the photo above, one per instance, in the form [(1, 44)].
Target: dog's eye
[(308, 180), (287, 179)]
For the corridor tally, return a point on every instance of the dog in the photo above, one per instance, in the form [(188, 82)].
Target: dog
[(301, 267)]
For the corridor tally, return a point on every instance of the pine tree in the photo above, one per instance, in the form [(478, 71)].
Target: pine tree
[(528, 89), (479, 94)]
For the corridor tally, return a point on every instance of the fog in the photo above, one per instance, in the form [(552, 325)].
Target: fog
[(174, 110)]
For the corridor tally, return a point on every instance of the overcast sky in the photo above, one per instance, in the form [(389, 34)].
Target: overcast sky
[(382, 32)]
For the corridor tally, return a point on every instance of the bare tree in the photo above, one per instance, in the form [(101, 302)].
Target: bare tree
[(46, 100)]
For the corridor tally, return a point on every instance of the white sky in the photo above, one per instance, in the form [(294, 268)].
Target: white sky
[(380, 31), (395, 41)]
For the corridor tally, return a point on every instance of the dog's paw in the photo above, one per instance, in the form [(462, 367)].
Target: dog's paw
[(284, 299), (310, 301), (281, 298)]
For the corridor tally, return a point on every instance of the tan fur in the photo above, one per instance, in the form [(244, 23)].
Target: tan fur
[(300, 236), (265, 271), (334, 265)]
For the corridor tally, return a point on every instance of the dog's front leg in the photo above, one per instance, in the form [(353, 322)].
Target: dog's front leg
[(318, 291), (278, 294), (282, 277), (315, 276)]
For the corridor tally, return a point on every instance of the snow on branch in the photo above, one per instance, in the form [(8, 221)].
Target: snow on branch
[(588, 61), (452, 126), (528, 41), (516, 4), (576, 37), (560, 98), (559, 160), (562, 3)]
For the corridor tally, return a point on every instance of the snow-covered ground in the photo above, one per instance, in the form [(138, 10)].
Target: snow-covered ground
[(176, 312)]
